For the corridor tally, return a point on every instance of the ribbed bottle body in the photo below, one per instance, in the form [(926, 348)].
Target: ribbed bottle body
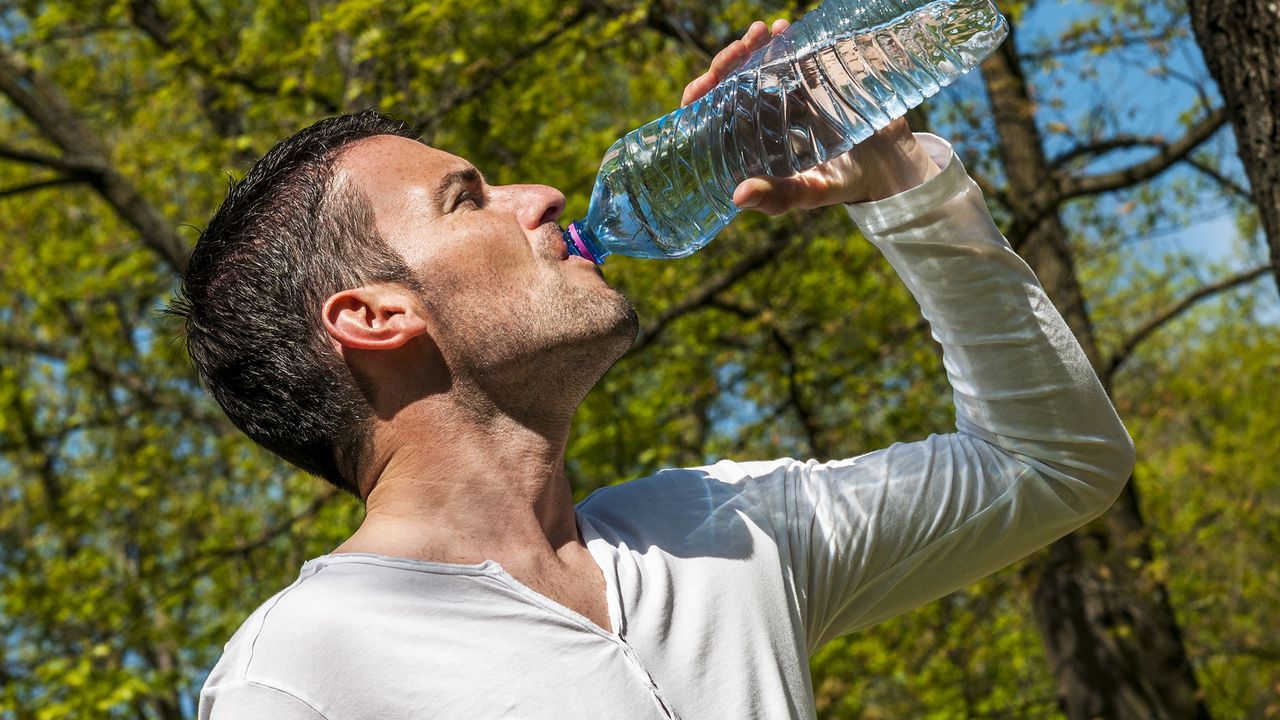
[(834, 78)]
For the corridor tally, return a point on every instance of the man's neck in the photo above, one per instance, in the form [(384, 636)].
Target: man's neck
[(454, 489)]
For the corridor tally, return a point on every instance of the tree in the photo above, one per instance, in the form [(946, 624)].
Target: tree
[(140, 528), (1241, 43), (1089, 583)]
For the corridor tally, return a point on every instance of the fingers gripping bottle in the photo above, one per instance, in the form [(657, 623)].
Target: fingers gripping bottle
[(830, 81)]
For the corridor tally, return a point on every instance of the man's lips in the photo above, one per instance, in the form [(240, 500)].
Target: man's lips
[(559, 249), (554, 238)]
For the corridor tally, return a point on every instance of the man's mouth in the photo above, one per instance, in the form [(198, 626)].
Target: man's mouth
[(559, 248), (555, 240)]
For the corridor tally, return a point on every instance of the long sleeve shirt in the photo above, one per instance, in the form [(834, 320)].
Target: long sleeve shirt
[(722, 580)]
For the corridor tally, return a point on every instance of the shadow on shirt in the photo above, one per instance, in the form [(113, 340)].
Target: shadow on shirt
[(689, 512)]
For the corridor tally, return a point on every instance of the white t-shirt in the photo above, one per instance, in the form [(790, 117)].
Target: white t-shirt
[(722, 580)]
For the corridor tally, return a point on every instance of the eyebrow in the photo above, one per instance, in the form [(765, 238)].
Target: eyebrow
[(466, 176)]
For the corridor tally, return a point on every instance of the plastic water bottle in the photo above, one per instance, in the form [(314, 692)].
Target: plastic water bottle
[(830, 81)]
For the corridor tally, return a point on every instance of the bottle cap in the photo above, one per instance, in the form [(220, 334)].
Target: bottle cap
[(578, 247)]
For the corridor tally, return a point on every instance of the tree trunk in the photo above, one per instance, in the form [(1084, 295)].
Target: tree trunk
[(1112, 641), (1240, 40)]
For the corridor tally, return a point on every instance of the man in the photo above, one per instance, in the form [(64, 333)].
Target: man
[(375, 312)]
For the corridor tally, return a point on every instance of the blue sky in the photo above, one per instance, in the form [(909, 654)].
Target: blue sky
[(1145, 94), (1126, 81)]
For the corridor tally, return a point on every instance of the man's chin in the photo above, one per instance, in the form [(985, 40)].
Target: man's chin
[(578, 263), (629, 327), (609, 315)]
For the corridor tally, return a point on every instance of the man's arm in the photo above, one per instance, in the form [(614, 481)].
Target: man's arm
[(1039, 449)]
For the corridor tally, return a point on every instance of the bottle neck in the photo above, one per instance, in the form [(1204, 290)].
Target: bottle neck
[(583, 243)]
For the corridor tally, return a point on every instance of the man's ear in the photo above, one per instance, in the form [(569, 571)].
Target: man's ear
[(373, 317)]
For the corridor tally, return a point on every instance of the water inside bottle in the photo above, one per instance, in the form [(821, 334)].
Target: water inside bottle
[(666, 189)]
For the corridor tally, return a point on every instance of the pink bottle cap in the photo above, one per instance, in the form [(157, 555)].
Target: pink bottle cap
[(580, 246)]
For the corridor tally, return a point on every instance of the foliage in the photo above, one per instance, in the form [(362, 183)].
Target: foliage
[(139, 528), (1214, 497)]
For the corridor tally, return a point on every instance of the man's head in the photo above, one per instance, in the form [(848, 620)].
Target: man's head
[(354, 269)]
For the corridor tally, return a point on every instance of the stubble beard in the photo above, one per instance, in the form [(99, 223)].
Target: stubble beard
[(547, 344)]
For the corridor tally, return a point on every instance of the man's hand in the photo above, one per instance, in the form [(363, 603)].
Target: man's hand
[(884, 164)]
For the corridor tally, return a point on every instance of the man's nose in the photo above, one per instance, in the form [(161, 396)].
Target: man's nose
[(536, 205)]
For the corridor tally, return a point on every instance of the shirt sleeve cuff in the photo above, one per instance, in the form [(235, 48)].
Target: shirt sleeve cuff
[(881, 215)]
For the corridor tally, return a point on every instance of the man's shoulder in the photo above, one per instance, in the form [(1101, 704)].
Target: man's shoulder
[(292, 632), (309, 618), (682, 499), (237, 652), (682, 481), (286, 615)]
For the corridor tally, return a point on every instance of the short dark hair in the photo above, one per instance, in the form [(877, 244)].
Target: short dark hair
[(283, 241)]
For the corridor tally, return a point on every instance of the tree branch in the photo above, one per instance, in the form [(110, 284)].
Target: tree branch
[(147, 17), (56, 436), (1061, 187), (661, 22), (1172, 153), (65, 164), (1121, 142), (277, 530), (31, 347), (40, 185), (1226, 182), (47, 108), (204, 562), (70, 32), (495, 75), (1260, 652), (1170, 31), (1178, 308), (812, 430), (52, 352), (703, 294), (147, 397), (1117, 142)]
